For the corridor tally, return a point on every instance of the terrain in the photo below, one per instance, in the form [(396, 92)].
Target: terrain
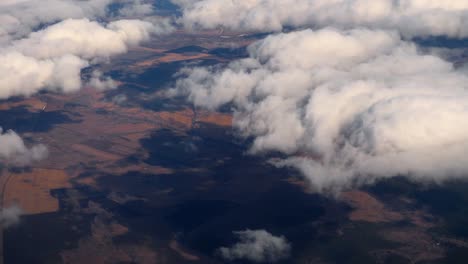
[(136, 176)]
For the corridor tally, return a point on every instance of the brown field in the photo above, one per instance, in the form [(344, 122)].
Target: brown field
[(169, 57), (135, 137), (368, 208), (95, 140), (99, 141), (91, 181), (184, 117), (206, 38), (215, 118), (31, 190), (87, 150), (418, 246), (141, 48), (31, 104)]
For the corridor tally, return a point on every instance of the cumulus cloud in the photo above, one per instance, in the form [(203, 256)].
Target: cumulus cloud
[(257, 246), (133, 8), (346, 107), (46, 44), (14, 151), (100, 82), (119, 99), (20, 17), (411, 17), (10, 216), (53, 58)]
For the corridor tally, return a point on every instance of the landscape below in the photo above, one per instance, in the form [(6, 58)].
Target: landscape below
[(134, 176)]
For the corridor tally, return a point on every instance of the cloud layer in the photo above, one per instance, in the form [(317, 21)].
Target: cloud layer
[(346, 107), (47, 43), (54, 57), (20, 17), (14, 151), (257, 246), (411, 17)]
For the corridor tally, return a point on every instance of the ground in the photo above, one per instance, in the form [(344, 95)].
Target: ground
[(135, 176)]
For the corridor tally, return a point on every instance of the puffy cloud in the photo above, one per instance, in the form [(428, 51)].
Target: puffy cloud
[(53, 58), (346, 107), (257, 246), (411, 17), (19, 17), (133, 8), (46, 44), (10, 216), (13, 150), (119, 99), (100, 82), (83, 38)]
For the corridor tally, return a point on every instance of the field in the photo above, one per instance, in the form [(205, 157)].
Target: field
[(136, 176), (31, 190)]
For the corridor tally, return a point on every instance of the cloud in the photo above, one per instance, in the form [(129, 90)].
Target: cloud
[(346, 107), (10, 216), (47, 43), (100, 82), (14, 151), (410, 17), (53, 58), (21, 17), (119, 99), (257, 246), (136, 8)]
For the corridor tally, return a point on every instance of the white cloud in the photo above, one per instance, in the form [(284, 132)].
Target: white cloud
[(14, 151), (100, 82), (53, 58), (257, 246), (411, 17), (347, 107), (46, 44), (83, 38), (136, 8), (10, 216), (119, 99), (19, 17)]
